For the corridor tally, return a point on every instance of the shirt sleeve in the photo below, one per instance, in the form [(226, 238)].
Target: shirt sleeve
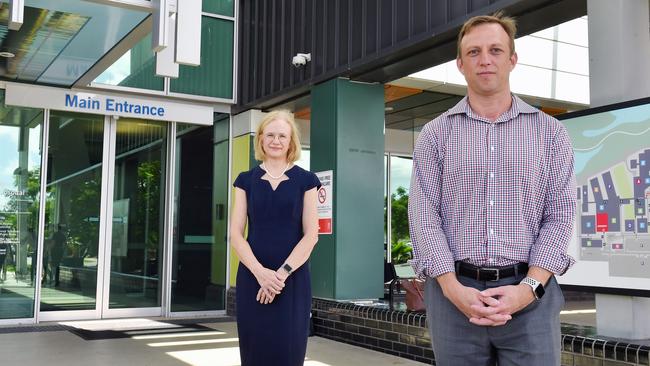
[(431, 253), (550, 248), (242, 181), (312, 181)]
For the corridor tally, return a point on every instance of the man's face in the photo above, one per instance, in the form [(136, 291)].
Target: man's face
[(485, 59)]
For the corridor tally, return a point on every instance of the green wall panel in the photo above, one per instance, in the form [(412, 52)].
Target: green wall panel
[(222, 7), (143, 68), (220, 191), (240, 163), (214, 77), (349, 140), (323, 157)]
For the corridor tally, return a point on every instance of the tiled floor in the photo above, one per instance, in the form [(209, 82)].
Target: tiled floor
[(158, 343)]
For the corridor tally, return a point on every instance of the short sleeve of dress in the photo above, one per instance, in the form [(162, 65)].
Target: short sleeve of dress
[(242, 181), (312, 181)]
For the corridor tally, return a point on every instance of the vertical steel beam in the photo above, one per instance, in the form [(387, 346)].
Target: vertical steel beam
[(16, 12), (165, 64), (160, 32), (188, 32)]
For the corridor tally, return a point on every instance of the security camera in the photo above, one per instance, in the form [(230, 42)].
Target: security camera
[(301, 59)]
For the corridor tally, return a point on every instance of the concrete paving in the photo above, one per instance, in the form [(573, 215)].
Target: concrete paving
[(157, 343), (162, 342)]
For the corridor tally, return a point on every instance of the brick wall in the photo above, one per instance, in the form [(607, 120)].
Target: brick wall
[(405, 334), (230, 302), (398, 333)]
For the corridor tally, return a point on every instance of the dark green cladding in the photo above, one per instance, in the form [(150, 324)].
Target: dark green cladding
[(143, 68), (347, 136), (213, 78), (221, 7)]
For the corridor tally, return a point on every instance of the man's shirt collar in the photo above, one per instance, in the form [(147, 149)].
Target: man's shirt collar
[(518, 106)]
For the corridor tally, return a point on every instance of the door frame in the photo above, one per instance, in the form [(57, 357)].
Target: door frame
[(102, 296)]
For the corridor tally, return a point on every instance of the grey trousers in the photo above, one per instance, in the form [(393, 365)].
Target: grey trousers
[(530, 338)]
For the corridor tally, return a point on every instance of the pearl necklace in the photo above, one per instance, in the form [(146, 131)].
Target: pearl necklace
[(279, 176)]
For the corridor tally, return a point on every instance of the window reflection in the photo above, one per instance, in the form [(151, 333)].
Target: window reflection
[(200, 217), (400, 177), (138, 207), (20, 160), (69, 278)]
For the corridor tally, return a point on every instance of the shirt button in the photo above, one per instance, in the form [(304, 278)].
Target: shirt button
[(491, 203), (491, 231), (491, 175), (492, 148)]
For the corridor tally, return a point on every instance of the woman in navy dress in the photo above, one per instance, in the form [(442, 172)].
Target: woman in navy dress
[(278, 201)]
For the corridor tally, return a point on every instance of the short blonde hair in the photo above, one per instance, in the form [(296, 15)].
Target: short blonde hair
[(509, 24), (293, 154)]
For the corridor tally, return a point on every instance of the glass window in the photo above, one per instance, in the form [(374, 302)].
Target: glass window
[(213, 78), (20, 184), (200, 224), (572, 87), (574, 31), (136, 69), (138, 208), (573, 59), (530, 80), (535, 51), (400, 178), (222, 7), (74, 178), (385, 207), (304, 161)]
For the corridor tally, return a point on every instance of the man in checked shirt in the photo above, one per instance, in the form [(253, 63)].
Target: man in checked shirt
[(491, 211)]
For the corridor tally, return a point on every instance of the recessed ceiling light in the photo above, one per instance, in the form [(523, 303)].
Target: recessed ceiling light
[(7, 54)]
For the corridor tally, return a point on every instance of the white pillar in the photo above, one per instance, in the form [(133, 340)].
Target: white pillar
[(623, 316), (246, 122), (619, 50)]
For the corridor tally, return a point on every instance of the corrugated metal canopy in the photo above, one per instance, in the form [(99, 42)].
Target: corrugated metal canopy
[(364, 40)]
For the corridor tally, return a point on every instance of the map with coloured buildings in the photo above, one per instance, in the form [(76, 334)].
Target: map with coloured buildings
[(612, 157)]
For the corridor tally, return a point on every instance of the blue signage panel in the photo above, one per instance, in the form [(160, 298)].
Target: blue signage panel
[(113, 105)]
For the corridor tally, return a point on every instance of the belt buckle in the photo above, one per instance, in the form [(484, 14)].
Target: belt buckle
[(496, 271)]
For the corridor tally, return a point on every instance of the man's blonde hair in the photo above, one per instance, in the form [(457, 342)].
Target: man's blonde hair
[(509, 24), (293, 154)]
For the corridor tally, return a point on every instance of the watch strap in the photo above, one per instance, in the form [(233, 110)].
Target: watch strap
[(534, 285), (287, 268)]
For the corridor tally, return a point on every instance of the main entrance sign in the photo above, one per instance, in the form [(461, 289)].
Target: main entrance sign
[(112, 105), (106, 103)]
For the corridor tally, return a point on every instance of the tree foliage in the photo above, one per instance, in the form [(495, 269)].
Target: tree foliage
[(400, 238)]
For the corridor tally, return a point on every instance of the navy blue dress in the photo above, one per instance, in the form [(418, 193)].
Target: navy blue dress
[(276, 333)]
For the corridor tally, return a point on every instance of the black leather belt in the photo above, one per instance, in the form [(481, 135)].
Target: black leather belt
[(490, 274)]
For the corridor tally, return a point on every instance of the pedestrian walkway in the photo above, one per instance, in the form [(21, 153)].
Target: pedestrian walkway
[(157, 342)]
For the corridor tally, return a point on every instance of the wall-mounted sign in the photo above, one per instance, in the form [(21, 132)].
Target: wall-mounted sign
[(325, 201), (24, 95)]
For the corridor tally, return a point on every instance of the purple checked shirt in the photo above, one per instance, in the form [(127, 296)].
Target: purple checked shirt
[(492, 194)]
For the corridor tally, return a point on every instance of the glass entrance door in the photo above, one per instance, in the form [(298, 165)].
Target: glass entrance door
[(21, 131), (73, 220), (103, 247), (138, 206)]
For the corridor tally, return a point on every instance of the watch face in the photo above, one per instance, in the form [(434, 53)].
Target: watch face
[(287, 268), (539, 291)]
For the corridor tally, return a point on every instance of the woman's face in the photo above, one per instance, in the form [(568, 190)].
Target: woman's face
[(276, 138)]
